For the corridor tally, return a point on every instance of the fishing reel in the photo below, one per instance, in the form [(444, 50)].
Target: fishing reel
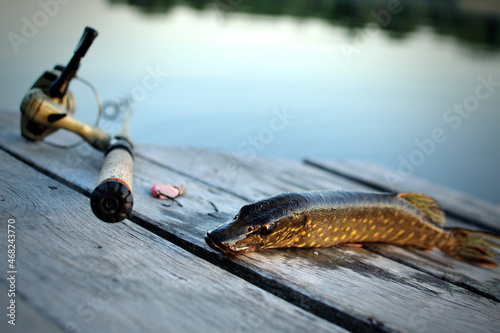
[(49, 105)]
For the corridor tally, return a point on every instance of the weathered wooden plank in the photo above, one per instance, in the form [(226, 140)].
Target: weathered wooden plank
[(434, 263), (257, 172), (27, 318), (461, 205), (309, 291), (396, 296), (85, 275), (485, 282), (253, 177)]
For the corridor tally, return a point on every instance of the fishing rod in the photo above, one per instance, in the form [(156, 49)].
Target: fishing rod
[(49, 106)]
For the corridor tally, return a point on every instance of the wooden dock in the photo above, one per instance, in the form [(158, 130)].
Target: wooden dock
[(154, 272)]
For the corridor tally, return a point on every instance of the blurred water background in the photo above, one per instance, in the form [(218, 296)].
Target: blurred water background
[(410, 85)]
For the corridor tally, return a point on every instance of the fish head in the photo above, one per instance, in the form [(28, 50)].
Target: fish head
[(255, 227)]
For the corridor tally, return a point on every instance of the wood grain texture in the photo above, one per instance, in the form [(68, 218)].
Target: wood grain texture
[(80, 274), (252, 177), (256, 174), (464, 206), (397, 296), (359, 286), (28, 319), (479, 279)]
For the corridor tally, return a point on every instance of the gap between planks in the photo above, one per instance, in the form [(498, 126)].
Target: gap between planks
[(137, 282), (192, 247), (341, 317), (261, 280), (432, 263)]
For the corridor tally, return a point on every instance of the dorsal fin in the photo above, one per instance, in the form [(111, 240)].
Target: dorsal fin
[(427, 205)]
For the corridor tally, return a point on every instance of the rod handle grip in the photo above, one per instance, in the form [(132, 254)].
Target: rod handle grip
[(112, 200)]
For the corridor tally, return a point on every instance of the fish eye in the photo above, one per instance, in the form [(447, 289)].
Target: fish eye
[(266, 229), (251, 228)]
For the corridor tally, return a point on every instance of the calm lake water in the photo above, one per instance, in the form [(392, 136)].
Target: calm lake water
[(414, 87)]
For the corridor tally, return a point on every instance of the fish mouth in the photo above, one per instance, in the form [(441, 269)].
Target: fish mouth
[(224, 248), (218, 246)]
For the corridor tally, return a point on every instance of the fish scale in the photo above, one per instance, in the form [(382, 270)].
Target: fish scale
[(358, 224), (327, 218)]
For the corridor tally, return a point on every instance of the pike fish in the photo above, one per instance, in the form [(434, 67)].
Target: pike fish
[(327, 218)]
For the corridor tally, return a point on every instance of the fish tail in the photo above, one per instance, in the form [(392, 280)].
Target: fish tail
[(472, 246)]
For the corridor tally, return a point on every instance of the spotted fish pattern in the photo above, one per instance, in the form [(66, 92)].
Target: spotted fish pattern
[(327, 218)]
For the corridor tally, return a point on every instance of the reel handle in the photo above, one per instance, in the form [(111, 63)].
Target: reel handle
[(59, 87)]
